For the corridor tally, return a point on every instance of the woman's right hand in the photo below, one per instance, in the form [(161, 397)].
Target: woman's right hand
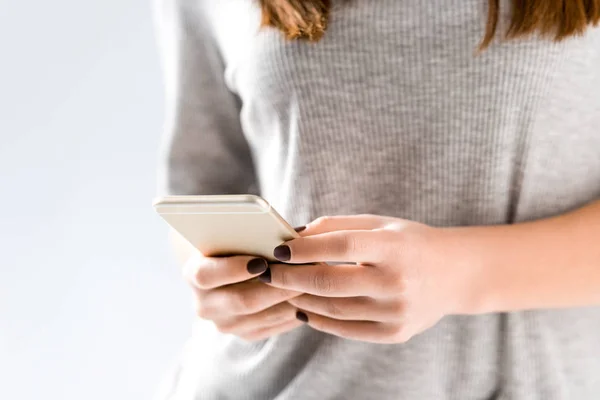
[(226, 294)]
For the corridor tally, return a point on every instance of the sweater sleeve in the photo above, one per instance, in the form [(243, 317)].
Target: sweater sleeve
[(204, 150)]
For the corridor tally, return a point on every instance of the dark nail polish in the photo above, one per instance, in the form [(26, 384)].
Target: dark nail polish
[(257, 266), (300, 228), (282, 253), (302, 316), (266, 276)]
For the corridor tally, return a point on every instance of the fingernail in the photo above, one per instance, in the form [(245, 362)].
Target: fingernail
[(265, 276), (257, 266), (300, 228), (302, 316), (282, 253)]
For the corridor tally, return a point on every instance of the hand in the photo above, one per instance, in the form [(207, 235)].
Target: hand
[(406, 277), (226, 294)]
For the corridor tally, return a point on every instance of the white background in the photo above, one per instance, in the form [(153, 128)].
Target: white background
[(91, 303)]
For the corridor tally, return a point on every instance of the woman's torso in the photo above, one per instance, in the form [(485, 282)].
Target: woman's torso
[(391, 113)]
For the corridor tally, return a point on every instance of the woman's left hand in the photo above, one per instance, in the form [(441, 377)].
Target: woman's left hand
[(399, 277)]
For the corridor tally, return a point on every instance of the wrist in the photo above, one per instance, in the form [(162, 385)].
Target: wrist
[(472, 260)]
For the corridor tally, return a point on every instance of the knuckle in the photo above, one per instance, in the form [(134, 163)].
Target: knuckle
[(202, 278), (322, 282), (288, 293), (398, 308), (274, 318), (202, 310), (322, 221), (333, 309), (400, 284), (355, 245), (345, 331), (280, 275), (347, 244), (395, 284), (245, 337), (242, 301), (383, 235), (388, 245), (399, 334), (227, 328), (188, 271)]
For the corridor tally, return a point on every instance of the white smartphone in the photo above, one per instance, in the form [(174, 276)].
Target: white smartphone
[(226, 225)]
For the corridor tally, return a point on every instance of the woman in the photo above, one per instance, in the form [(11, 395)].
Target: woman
[(457, 144)]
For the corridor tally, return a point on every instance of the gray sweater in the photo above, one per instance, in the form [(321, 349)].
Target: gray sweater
[(392, 114)]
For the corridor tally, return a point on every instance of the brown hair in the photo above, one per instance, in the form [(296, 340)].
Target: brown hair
[(557, 19)]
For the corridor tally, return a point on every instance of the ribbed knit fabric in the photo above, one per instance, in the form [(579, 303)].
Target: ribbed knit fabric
[(392, 114)]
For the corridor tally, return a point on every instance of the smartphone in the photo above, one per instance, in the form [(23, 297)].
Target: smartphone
[(226, 224)]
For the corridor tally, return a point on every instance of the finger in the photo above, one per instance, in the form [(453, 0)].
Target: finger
[(340, 246), (351, 308), (212, 272), (367, 331), (344, 223), (273, 316), (324, 280), (266, 333), (241, 299)]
